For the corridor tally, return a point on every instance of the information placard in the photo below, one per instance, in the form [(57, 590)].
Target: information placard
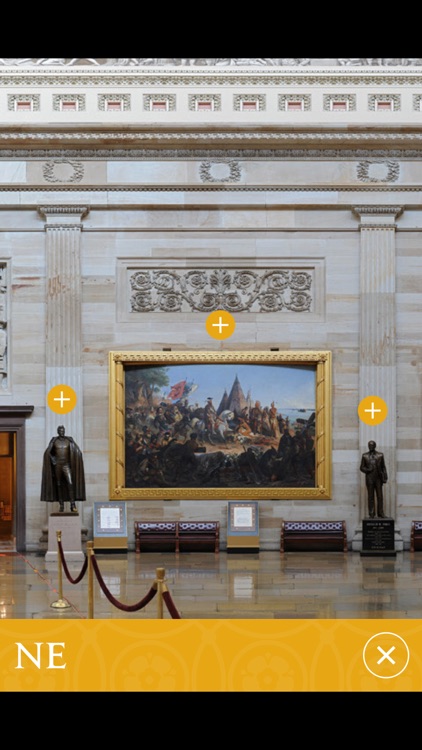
[(243, 526), (110, 525)]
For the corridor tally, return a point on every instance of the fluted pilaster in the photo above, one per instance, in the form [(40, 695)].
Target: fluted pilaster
[(377, 372), (63, 225)]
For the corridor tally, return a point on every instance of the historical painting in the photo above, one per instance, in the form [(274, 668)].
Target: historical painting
[(201, 425)]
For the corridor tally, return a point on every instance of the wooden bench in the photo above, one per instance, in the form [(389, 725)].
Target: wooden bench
[(198, 536), (155, 536), (177, 536), (319, 536), (416, 536)]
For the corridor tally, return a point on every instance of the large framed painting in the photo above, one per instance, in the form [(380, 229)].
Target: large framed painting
[(229, 425)]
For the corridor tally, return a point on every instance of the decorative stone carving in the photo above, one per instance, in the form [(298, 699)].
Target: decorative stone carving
[(235, 290), (220, 171), (380, 61), (63, 170), (170, 100), (13, 98), (238, 99), (211, 61), (59, 98), (378, 170), (374, 98), (283, 99), (349, 98), (124, 99), (194, 99)]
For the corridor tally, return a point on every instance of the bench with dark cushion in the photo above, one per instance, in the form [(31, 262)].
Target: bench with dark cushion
[(323, 536), (156, 536), (177, 536), (416, 536), (196, 536)]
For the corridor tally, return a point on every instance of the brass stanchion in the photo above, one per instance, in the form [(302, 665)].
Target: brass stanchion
[(160, 583), (60, 603), (90, 550)]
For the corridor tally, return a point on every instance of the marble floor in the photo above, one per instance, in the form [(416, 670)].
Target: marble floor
[(204, 585)]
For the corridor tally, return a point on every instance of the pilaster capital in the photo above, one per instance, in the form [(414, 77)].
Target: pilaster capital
[(58, 217), (378, 217)]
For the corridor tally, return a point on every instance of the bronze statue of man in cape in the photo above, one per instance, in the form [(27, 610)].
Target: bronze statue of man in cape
[(63, 476)]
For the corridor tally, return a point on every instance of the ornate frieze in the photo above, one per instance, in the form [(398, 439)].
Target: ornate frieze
[(209, 61), (235, 290), (203, 77)]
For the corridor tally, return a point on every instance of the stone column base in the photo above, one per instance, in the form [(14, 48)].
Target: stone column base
[(70, 526), (357, 541)]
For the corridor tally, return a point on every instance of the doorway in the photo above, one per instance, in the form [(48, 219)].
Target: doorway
[(7, 489), (13, 476)]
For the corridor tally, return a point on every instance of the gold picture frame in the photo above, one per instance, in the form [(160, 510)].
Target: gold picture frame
[(241, 461)]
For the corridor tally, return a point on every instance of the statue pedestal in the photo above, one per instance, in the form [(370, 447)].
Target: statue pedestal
[(70, 526), (378, 537)]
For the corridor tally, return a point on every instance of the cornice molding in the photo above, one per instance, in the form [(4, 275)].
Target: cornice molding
[(214, 188), (94, 76), (193, 154), (136, 136)]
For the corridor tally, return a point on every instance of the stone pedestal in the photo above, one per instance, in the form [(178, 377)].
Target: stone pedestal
[(378, 537), (70, 526)]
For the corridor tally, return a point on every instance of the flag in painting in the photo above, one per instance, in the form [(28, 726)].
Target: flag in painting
[(189, 388), (177, 391)]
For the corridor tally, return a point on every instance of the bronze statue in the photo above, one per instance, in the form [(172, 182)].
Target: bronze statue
[(63, 476), (373, 466)]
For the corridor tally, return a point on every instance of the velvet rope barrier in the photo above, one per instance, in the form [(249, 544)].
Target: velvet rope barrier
[(125, 607), (170, 604), (66, 569)]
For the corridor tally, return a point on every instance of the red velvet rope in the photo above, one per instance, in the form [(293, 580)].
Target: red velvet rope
[(125, 607), (170, 605), (66, 569)]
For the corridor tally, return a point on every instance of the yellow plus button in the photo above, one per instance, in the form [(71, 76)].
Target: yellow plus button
[(372, 410), (220, 324), (61, 399)]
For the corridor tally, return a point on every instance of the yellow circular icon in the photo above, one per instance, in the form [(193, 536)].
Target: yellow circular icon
[(220, 324), (61, 399), (372, 410), (386, 655)]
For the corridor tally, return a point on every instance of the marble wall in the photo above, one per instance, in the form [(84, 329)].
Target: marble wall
[(319, 230)]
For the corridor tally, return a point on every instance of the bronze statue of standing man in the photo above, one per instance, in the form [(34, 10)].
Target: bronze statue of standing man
[(63, 477), (373, 466)]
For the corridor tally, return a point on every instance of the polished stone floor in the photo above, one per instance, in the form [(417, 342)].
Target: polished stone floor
[(204, 585)]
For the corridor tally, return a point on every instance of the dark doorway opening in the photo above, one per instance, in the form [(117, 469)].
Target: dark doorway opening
[(7, 487), (13, 476)]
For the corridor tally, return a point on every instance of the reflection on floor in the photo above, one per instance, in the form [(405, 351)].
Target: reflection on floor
[(203, 585)]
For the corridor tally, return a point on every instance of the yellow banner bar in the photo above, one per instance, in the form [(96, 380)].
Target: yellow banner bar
[(211, 655)]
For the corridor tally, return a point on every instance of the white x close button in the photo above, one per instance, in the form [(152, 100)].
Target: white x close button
[(386, 655)]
